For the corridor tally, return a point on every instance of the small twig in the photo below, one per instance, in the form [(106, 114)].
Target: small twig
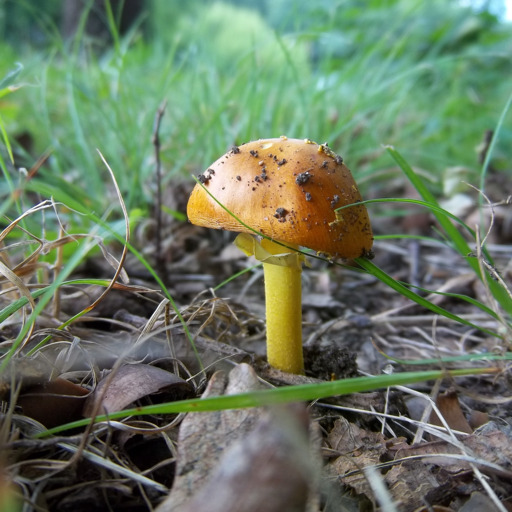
[(160, 261)]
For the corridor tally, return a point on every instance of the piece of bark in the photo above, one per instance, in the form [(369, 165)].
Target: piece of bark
[(243, 459)]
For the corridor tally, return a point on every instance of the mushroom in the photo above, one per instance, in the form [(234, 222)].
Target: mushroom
[(291, 192)]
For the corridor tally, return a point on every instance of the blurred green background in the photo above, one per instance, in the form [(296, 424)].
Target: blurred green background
[(430, 78)]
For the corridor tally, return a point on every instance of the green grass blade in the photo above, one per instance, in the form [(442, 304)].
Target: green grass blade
[(459, 242), (5, 138), (373, 269), (453, 359), (488, 155), (7, 81), (280, 395)]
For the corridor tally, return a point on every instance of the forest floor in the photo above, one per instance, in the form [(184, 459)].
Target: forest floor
[(383, 448)]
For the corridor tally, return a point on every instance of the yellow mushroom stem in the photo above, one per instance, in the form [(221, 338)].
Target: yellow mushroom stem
[(283, 303), (283, 299)]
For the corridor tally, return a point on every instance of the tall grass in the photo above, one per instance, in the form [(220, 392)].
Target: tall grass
[(427, 79), (424, 80)]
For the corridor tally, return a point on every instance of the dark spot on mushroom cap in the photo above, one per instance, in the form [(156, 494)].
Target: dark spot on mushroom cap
[(239, 178), (235, 150), (308, 196), (282, 162), (335, 200), (303, 177), (368, 254), (253, 153), (206, 176), (280, 214)]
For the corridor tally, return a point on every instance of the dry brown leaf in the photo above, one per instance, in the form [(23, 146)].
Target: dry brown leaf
[(489, 445), (449, 407), (479, 502), (435, 473), (410, 483), (247, 459), (267, 470), (357, 448), (131, 382), (478, 418), (53, 403)]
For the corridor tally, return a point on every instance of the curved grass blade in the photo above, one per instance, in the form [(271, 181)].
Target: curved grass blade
[(406, 292), (499, 293), (433, 207)]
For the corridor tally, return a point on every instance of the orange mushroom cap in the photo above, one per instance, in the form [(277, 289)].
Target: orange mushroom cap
[(288, 190)]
